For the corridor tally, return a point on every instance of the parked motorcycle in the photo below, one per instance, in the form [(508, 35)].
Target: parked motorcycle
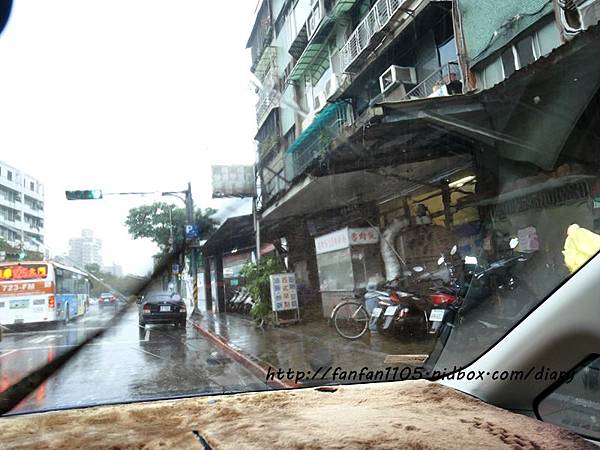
[(474, 289)]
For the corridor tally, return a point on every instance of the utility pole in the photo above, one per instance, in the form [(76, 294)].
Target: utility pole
[(189, 205)]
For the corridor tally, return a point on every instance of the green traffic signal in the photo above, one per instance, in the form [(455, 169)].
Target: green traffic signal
[(84, 195)]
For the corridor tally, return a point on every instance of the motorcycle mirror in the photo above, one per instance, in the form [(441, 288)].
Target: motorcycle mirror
[(440, 261), (418, 269), (472, 260), (454, 250), (513, 243)]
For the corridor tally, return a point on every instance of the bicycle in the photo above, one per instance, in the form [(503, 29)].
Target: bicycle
[(351, 318)]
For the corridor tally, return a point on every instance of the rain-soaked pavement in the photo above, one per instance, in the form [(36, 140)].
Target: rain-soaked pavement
[(126, 364)]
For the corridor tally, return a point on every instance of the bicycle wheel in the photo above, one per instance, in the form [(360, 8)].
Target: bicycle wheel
[(351, 320)]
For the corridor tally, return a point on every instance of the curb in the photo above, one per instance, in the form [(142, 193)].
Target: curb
[(258, 367)]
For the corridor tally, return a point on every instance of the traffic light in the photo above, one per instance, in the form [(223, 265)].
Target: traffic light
[(84, 195)]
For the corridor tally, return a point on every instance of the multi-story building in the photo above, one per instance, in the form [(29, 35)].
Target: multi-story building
[(86, 249), (21, 209), (391, 114), (114, 269)]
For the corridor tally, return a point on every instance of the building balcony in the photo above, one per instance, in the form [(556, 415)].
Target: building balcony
[(314, 142), (36, 212), (309, 45), (377, 21), (273, 187), (9, 203), (265, 105), (271, 143), (263, 42)]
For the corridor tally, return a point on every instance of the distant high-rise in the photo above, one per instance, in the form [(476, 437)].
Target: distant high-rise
[(86, 249), (114, 270)]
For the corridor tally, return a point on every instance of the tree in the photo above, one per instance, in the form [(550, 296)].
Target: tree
[(93, 268), (154, 222)]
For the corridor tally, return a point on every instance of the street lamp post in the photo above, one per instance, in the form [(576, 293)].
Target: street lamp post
[(189, 207)]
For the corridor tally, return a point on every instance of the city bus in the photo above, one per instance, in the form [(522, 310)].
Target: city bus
[(42, 291)]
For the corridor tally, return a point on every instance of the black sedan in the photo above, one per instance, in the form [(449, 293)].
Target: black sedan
[(162, 307)]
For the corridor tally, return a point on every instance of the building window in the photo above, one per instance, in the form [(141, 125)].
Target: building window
[(9, 175), (32, 185)]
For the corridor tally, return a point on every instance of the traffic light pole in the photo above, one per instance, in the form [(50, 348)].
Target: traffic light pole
[(189, 206)]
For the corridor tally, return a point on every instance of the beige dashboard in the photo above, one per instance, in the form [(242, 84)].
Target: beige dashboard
[(403, 415)]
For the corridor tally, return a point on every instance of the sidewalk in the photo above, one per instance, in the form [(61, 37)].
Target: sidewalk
[(305, 347)]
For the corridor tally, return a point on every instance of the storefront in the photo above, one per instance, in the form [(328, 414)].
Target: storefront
[(346, 259)]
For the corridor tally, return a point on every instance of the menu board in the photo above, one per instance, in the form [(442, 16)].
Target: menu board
[(284, 295)]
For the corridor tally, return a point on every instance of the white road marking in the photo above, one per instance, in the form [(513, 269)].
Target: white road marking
[(42, 339), (147, 336), (144, 351), (7, 353)]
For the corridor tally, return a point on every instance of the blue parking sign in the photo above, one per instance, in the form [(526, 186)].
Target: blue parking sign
[(192, 231)]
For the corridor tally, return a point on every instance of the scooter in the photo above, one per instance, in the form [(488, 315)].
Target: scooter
[(474, 291), (248, 304)]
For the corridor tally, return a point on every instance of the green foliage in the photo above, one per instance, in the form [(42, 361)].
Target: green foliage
[(93, 268), (258, 284), (154, 222)]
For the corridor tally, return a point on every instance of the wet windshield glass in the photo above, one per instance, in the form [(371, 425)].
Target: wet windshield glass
[(339, 191)]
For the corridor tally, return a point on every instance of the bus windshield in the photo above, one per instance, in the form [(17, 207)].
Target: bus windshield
[(23, 272)]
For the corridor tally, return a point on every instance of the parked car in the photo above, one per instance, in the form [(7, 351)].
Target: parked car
[(107, 299), (162, 307)]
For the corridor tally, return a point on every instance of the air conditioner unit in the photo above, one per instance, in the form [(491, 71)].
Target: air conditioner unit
[(394, 75)]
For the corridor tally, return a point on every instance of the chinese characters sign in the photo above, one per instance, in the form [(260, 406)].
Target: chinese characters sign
[(233, 181), (23, 272), (345, 238), (363, 236), (283, 292)]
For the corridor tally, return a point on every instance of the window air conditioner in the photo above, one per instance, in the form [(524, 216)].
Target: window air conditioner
[(394, 75)]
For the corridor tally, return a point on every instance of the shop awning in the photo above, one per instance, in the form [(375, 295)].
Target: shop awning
[(314, 195), (234, 233)]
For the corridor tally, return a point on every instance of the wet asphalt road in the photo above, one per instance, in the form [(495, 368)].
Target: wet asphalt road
[(127, 363)]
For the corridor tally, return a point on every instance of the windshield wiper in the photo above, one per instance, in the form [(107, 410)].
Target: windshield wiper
[(16, 393)]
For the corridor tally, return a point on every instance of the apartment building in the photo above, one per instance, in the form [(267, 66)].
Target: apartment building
[(21, 209), (393, 114)]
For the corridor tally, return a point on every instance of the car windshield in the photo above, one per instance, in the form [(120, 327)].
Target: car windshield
[(338, 191)]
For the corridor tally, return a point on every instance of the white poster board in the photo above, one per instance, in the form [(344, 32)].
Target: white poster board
[(233, 181), (284, 296)]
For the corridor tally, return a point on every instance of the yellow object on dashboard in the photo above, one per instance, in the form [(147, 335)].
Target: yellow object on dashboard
[(580, 246)]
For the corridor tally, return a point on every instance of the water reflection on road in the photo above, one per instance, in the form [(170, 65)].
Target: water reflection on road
[(127, 363)]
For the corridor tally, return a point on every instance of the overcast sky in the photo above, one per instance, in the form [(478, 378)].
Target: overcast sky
[(124, 95)]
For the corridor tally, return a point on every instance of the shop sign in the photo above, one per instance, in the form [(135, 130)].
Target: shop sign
[(363, 236), (544, 199), (345, 238), (333, 241), (284, 295)]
